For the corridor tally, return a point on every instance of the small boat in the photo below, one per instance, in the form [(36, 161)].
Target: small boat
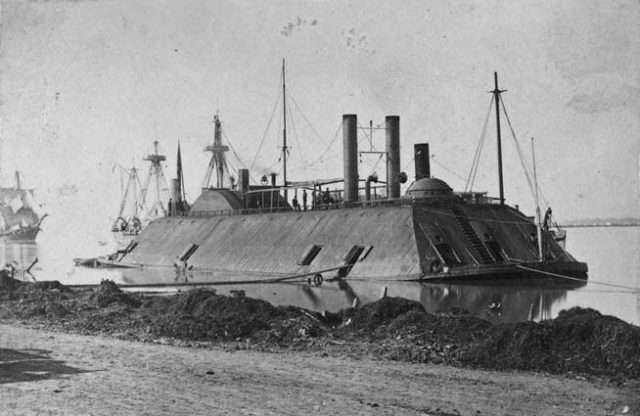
[(107, 262)]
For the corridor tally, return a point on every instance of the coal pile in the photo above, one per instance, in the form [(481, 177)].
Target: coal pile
[(7, 284), (401, 329), (38, 299), (374, 317), (202, 315), (108, 293), (579, 341)]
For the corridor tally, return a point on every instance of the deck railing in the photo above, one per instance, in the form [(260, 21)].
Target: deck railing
[(458, 199)]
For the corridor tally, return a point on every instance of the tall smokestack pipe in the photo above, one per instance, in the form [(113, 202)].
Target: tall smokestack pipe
[(393, 156), (243, 180), (421, 156), (350, 151)]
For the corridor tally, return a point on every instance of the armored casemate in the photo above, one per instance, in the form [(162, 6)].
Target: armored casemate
[(430, 232)]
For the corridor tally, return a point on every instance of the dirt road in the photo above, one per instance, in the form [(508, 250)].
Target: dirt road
[(44, 373)]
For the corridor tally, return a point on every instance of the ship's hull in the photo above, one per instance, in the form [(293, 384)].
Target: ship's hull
[(21, 234), (388, 242)]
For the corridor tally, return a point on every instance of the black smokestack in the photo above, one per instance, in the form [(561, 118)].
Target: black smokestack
[(350, 143), (393, 156), (421, 157)]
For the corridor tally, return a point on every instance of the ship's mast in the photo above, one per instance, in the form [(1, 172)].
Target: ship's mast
[(535, 180), (218, 161), (496, 93), (155, 171), (221, 159), (284, 131)]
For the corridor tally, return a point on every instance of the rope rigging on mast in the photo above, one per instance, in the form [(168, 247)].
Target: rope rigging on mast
[(500, 104), (218, 161), (543, 227), (160, 182)]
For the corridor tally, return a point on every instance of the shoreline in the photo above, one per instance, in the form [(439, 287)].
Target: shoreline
[(578, 341), (579, 352), (67, 374)]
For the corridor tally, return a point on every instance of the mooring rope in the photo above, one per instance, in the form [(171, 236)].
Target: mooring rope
[(633, 289), (283, 279)]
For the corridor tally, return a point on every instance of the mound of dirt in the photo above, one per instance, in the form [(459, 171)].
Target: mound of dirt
[(372, 316), (32, 299), (400, 329), (296, 328), (50, 285), (579, 340), (203, 315), (7, 283), (109, 293)]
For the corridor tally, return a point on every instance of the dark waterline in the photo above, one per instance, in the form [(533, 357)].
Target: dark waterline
[(612, 254)]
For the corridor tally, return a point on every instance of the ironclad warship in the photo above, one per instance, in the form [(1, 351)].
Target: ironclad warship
[(430, 232)]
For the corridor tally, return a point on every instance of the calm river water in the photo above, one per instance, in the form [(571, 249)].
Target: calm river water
[(613, 255)]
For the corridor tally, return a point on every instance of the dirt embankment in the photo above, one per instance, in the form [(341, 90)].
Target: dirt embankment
[(579, 341)]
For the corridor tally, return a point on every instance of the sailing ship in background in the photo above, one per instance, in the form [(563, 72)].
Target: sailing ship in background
[(141, 202), (20, 217)]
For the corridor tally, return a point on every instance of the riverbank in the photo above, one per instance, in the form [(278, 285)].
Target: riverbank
[(580, 346), (54, 373)]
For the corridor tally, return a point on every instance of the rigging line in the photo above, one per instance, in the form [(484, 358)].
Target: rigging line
[(266, 130), (446, 168), (367, 135), (595, 282), (407, 165), (297, 141), (523, 161), (207, 175), (268, 169), (377, 163), (476, 158), (328, 147), (147, 183), (142, 202), (295, 103), (295, 133), (483, 137), (230, 168), (477, 162), (233, 150), (525, 165)]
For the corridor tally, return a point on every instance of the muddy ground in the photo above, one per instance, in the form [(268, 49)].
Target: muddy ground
[(52, 373), (579, 345)]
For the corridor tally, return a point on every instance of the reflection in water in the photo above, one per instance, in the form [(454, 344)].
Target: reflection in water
[(19, 256), (496, 301), (518, 301), (499, 301)]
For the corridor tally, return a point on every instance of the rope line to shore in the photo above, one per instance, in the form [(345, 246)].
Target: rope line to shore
[(284, 279), (630, 288)]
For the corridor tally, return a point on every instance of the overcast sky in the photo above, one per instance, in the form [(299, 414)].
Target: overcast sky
[(86, 84)]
